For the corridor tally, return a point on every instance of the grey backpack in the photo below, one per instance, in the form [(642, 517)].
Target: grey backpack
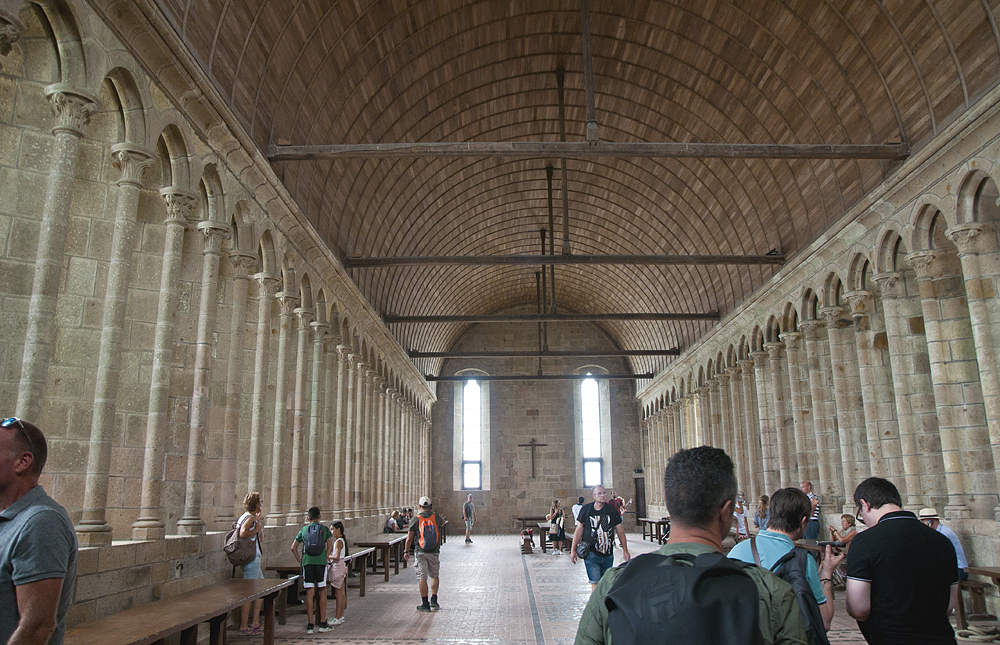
[(240, 550)]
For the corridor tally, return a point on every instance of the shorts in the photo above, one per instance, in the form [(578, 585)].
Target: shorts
[(597, 565), (336, 573), (428, 565), (313, 576), (251, 570), (468, 523)]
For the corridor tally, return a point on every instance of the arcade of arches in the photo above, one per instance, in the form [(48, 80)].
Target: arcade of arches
[(180, 316)]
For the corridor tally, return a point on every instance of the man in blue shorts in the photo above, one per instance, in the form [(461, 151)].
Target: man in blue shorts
[(313, 561)]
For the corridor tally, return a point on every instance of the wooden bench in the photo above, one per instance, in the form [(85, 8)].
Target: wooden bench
[(286, 566), (977, 594), (181, 614)]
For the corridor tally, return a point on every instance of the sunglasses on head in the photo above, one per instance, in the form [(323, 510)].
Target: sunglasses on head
[(15, 422)]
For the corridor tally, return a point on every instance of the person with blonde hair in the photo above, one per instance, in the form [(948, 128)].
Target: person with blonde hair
[(251, 527)]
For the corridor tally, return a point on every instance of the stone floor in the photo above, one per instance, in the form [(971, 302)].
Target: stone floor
[(490, 594)]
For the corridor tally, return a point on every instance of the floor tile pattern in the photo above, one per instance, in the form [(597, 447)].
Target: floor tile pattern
[(490, 595)]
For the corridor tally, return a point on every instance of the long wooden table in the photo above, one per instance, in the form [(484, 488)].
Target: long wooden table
[(154, 621), (989, 572), (286, 566), (384, 543), (525, 521), (654, 527)]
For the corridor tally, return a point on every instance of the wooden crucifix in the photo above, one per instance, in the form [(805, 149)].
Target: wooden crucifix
[(532, 444)]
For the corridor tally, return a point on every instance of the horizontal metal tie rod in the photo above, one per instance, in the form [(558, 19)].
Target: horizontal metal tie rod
[(507, 318), (591, 150), (681, 260), (542, 377), (549, 354)]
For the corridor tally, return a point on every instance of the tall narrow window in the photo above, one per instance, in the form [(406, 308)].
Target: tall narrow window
[(593, 465), (472, 447)]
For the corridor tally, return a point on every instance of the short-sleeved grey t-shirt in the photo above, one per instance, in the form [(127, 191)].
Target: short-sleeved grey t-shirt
[(37, 542)]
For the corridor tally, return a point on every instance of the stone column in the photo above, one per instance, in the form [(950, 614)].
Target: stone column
[(965, 444), (300, 459), (704, 425), (214, 233), (916, 414), (344, 419), (280, 476), (332, 399), (73, 107), (267, 288), (11, 29), (315, 483), (366, 476), (132, 161), (658, 451), (770, 462), (977, 250), (377, 450), (738, 433), (242, 264), (714, 425), (385, 450), (847, 395), (150, 525), (820, 381), (725, 424), (802, 430), (787, 468), (751, 421), (357, 440)]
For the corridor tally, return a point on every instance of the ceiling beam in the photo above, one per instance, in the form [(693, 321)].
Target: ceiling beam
[(518, 318), (549, 354), (591, 150), (682, 260), (541, 377)]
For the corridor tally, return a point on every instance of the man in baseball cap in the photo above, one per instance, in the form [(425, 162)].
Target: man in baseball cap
[(929, 516), (423, 539)]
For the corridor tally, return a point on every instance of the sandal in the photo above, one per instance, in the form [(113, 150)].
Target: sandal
[(256, 629), (246, 632)]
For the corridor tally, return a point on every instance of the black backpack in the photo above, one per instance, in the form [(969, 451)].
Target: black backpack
[(684, 599), (791, 568), (314, 542)]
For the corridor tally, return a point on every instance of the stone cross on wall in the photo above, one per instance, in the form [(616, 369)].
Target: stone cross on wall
[(532, 444)]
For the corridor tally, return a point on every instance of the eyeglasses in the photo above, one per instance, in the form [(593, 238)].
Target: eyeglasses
[(858, 517), (7, 423)]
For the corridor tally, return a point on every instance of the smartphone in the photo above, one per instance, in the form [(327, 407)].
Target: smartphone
[(836, 545)]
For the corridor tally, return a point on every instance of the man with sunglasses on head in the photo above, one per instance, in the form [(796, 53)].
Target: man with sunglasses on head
[(902, 576), (37, 543)]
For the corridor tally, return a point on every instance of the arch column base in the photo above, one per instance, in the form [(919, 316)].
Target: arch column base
[(191, 526), (148, 529), (97, 534), (957, 512)]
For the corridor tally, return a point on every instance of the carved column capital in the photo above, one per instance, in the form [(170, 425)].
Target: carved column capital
[(713, 385), (288, 302), (774, 350), (759, 359), (345, 351), (215, 234), (791, 339), (735, 373), (72, 106), (132, 160), (11, 29), (747, 365), (860, 302), (304, 315), (242, 263), (180, 203), (890, 284), (811, 328), (834, 317), (723, 377), (970, 240), (931, 265), (320, 330), (268, 284)]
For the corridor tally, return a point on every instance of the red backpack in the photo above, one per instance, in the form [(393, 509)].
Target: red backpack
[(427, 533)]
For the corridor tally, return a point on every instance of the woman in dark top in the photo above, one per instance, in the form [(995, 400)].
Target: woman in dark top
[(557, 530)]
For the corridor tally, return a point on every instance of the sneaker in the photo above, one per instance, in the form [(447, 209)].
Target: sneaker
[(468, 541), (337, 621), (434, 605), (309, 628), (424, 608), (324, 627)]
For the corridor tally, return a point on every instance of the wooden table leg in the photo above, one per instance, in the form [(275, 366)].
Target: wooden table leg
[(217, 630), (189, 636), (283, 606), (364, 567), (396, 556), (385, 561), (269, 619)]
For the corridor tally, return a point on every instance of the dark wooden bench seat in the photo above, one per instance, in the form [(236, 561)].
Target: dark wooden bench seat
[(154, 621)]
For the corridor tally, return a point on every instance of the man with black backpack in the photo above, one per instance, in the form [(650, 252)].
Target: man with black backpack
[(424, 540), (317, 542), (774, 548), (651, 598)]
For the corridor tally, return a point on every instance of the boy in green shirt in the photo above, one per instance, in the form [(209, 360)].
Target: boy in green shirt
[(317, 541)]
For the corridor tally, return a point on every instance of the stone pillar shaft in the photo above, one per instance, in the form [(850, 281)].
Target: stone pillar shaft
[(751, 425), (73, 108), (345, 391), (787, 470), (315, 483), (820, 382), (267, 287), (279, 469), (300, 459), (150, 524), (770, 462), (802, 430)]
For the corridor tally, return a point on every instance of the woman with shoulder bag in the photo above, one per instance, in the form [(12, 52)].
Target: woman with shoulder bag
[(250, 526)]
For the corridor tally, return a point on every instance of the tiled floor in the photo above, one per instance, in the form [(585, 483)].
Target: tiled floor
[(490, 595)]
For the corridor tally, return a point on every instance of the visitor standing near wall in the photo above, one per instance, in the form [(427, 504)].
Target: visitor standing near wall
[(557, 530), (812, 530), (469, 516), (902, 576), (740, 514), (317, 542), (338, 571), (423, 540), (929, 516), (251, 527), (596, 527), (576, 509), (37, 543), (763, 513)]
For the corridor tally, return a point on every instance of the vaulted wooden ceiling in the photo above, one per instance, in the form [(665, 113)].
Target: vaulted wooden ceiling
[(736, 71)]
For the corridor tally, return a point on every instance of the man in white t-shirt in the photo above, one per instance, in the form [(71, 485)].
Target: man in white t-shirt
[(576, 508)]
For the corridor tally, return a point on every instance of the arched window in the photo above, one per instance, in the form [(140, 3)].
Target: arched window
[(471, 447), (590, 403)]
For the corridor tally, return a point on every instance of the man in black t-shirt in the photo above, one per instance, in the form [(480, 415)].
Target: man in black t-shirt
[(902, 576), (597, 524)]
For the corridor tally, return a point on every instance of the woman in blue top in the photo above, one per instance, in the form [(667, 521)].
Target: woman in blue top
[(763, 514)]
